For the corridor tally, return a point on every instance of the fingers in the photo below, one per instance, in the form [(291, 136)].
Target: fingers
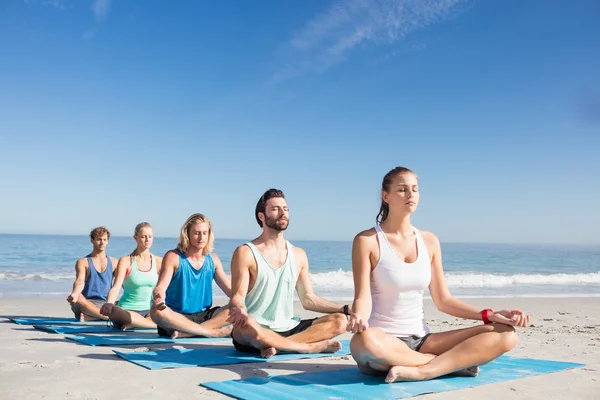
[(237, 318), (520, 318), (513, 318), (356, 325), (351, 326)]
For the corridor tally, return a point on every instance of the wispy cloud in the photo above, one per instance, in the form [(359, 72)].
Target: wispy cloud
[(101, 8), (53, 3), (329, 38)]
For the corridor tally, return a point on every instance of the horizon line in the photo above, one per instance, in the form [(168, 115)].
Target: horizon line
[(579, 244)]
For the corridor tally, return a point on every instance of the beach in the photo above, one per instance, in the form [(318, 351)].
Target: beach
[(40, 365)]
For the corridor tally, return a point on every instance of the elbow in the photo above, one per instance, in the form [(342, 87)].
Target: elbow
[(308, 303), (442, 303)]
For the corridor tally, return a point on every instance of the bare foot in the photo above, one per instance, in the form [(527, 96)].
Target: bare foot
[(268, 352), (326, 346), (468, 372), (222, 332), (403, 374), (84, 318), (176, 334)]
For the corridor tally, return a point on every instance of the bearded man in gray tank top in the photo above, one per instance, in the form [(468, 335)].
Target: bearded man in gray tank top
[(264, 274), (393, 263)]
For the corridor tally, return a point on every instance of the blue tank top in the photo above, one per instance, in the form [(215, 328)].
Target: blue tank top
[(190, 290), (98, 284)]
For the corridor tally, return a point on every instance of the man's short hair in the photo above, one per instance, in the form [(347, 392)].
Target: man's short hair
[(99, 231), (262, 202)]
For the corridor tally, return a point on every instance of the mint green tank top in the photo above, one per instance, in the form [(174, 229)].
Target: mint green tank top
[(138, 286), (271, 300)]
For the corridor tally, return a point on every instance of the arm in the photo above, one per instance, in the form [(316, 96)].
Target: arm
[(240, 276), (168, 267), (221, 277), (123, 266), (115, 262), (310, 301), (158, 263), (241, 261), (450, 305), (80, 272), (361, 273)]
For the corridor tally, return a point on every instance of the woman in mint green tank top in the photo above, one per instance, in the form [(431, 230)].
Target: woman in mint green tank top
[(137, 273)]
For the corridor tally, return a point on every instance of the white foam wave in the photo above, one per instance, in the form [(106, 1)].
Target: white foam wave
[(493, 280), (19, 276), (341, 280)]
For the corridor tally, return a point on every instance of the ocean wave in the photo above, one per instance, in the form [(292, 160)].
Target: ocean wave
[(48, 276), (341, 280)]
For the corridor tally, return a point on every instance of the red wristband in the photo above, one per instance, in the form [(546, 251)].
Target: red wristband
[(484, 315)]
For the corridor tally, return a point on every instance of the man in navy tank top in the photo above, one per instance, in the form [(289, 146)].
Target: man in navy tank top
[(183, 298), (265, 273), (93, 278)]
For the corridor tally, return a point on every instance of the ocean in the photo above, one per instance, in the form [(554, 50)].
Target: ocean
[(44, 265)]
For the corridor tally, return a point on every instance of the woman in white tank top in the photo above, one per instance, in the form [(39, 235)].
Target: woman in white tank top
[(393, 264)]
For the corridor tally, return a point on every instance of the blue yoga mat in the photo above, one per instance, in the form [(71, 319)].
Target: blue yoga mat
[(181, 358), (136, 338), (351, 383), (53, 321), (84, 329)]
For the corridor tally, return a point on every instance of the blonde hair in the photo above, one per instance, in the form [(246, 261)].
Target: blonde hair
[(184, 239), (99, 231), (138, 229), (141, 226)]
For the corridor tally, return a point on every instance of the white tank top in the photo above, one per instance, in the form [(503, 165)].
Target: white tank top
[(397, 289)]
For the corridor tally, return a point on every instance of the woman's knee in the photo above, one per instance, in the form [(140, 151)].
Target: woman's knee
[(508, 336), (156, 315), (368, 341)]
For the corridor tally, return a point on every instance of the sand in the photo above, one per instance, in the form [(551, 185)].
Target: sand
[(39, 365)]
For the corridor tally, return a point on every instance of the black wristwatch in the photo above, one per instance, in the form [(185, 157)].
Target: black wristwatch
[(346, 309)]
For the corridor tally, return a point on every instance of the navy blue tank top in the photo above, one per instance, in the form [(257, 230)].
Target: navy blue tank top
[(190, 290), (98, 284)]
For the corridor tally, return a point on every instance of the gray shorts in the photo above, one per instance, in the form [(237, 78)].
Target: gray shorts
[(414, 342), (76, 308)]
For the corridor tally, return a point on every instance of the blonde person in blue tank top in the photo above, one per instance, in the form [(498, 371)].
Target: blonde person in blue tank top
[(265, 273), (392, 265), (183, 298), (137, 273)]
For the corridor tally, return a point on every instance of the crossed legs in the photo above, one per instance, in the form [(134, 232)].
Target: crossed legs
[(442, 353), (87, 310), (179, 325), (130, 319), (317, 338)]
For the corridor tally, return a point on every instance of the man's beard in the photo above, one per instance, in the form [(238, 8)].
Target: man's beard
[(279, 225)]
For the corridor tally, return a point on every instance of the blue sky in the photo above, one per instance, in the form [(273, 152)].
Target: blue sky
[(115, 112)]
